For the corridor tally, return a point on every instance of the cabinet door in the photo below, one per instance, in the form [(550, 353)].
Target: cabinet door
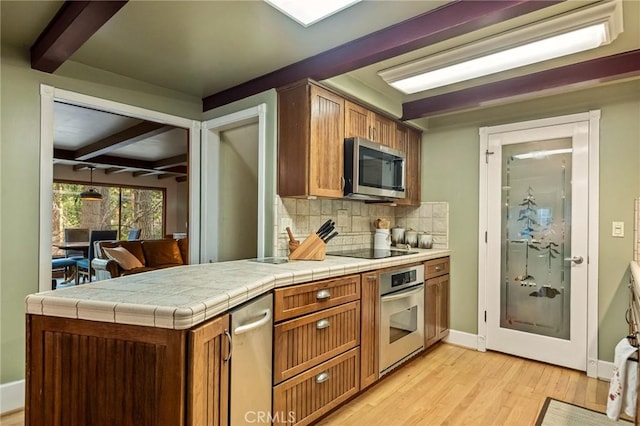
[(443, 297), (384, 130), (208, 390), (357, 122), (431, 314), (369, 332), (326, 153), (413, 143)]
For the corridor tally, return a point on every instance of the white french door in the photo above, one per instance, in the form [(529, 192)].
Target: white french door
[(537, 241)]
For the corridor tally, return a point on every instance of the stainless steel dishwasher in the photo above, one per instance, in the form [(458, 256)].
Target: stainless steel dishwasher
[(250, 387)]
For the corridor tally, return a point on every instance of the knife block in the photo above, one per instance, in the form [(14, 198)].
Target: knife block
[(312, 248)]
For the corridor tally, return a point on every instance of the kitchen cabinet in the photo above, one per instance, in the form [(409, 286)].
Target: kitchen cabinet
[(364, 123), (310, 142), (436, 305), (316, 348), (369, 332), (412, 141), (98, 373), (208, 375)]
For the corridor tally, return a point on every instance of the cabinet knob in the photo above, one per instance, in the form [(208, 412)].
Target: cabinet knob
[(323, 294), (438, 268), (324, 323), (322, 377)]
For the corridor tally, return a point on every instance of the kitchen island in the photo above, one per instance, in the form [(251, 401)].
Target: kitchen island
[(125, 350)]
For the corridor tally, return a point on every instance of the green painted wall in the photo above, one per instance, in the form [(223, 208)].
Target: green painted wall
[(19, 176), (450, 173)]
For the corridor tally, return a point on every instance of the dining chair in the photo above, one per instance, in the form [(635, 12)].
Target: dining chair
[(83, 266), (134, 234), (75, 235)]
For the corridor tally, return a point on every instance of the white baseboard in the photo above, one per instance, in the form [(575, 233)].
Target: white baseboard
[(11, 396), (605, 370), (461, 338)]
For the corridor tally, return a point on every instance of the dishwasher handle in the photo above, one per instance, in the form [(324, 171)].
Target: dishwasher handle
[(229, 347), (253, 325)]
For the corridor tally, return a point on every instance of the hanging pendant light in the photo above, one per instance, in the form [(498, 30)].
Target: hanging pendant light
[(91, 194)]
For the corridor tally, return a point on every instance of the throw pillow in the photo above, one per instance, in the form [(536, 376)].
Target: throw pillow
[(123, 257)]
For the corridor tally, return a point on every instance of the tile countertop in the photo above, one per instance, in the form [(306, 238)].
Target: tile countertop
[(184, 296)]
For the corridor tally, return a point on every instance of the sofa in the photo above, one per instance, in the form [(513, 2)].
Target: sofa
[(119, 258)]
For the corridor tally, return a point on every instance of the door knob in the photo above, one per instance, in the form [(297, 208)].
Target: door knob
[(575, 259)]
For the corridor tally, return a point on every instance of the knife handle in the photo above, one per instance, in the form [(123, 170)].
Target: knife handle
[(290, 234)]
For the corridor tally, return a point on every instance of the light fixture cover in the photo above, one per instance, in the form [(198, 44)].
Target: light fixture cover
[(573, 32), (91, 194), (308, 12)]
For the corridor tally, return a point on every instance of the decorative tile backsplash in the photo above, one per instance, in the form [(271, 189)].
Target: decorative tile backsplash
[(354, 221)]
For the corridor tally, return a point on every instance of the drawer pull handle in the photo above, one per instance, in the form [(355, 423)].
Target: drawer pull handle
[(322, 324), (322, 377), (438, 267), (323, 294)]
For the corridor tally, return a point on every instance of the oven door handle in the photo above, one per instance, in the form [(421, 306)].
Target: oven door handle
[(403, 294)]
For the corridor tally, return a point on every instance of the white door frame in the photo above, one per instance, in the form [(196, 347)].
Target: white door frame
[(593, 117), (211, 177), (50, 94)]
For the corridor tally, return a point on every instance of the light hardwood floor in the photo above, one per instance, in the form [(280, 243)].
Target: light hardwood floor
[(451, 385)]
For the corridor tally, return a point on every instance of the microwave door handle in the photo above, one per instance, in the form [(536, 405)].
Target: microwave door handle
[(402, 294)]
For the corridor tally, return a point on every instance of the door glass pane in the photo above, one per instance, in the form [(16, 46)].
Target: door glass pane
[(403, 323), (536, 237)]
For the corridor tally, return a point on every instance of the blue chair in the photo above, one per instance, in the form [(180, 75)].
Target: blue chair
[(134, 234), (62, 263), (83, 266)]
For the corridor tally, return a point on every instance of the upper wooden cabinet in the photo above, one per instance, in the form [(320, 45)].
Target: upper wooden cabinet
[(363, 123), (411, 145), (311, 142)]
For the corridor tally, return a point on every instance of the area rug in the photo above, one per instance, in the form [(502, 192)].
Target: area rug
[(558, 413)]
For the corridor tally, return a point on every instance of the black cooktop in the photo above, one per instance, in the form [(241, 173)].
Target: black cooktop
[(371, 253)]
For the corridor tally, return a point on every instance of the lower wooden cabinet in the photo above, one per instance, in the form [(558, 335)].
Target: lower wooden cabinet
[(369, 332), (311, 394), (436, 309), (208, 375)]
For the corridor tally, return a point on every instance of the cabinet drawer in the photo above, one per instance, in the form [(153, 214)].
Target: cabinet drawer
[(311, 394), (304, 342), (436, 267), (290, 302)]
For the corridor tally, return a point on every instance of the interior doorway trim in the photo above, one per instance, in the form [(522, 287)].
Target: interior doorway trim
[(593, 117), (50, 94), (211, 178)]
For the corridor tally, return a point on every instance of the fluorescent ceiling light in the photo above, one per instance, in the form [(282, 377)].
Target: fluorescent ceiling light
[(308, 12), (571, 33), (542, 154)]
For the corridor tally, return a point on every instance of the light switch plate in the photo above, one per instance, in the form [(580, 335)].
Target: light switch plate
[(617, 229)]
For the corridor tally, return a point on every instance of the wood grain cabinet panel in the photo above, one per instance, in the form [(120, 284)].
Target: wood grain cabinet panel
[(436, 300), (310, 142), (369, 332), (208, 389), (412, 141), (290, 302), (90, 373), (306, 397), (304, 342), (364, 123)]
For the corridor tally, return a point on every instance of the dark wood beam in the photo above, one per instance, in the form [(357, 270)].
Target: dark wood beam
[(78, 167), (170, 162), (144, 130), (165, 176), (609, 68), (181, 179), (73, 25), (451, 20), (112, 170), (141, 173), (117, 162)]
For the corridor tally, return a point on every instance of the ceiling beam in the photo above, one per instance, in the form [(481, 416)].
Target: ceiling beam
[(70, 28), (608, 68), (181, 179), (119, 162), (170, 162), (451, 20), (144, 130)]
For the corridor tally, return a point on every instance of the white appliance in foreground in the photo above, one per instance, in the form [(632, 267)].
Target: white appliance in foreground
[(251, 361)]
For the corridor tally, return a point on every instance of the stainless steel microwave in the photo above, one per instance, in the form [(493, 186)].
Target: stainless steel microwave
[(373, 171)]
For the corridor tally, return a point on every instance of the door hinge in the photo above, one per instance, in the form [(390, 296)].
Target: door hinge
[(487, 153), (485, 316)]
